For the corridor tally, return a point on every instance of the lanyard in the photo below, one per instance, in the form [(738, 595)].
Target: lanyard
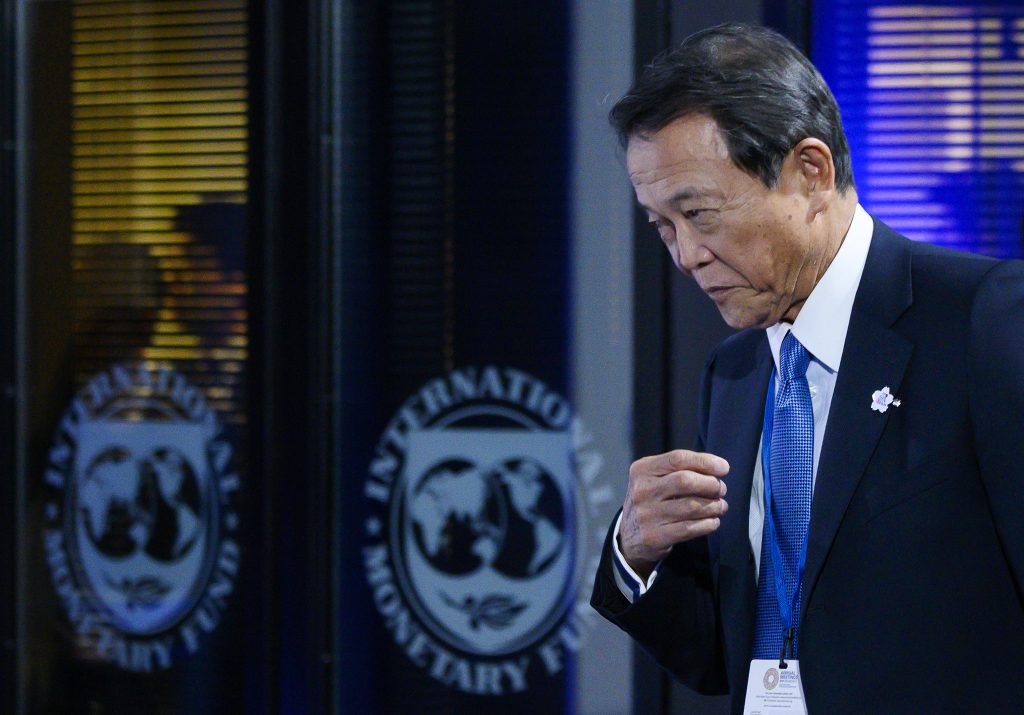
[(787, 607)]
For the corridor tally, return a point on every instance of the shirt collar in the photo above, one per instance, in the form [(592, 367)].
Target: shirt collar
[(822, 322)]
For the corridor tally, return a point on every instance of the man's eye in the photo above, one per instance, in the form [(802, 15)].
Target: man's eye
[(693, 213), (664, 228)]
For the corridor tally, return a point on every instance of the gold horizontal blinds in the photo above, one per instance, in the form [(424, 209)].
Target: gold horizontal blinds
[(159, 176)]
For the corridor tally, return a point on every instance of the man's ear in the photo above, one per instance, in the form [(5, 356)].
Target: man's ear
[(817, 173)]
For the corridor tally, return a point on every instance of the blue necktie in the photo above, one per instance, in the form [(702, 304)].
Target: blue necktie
[(791, 465)]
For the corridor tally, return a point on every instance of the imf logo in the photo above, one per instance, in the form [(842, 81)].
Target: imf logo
[(478, 534), (140, 520)]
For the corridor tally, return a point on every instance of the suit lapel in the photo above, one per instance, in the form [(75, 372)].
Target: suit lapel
[(741, 399), (874, 356)]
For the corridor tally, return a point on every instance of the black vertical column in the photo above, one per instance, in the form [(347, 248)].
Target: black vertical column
[(512, 163), (454, 240), (355, 170), (10, 686), (290, 268)]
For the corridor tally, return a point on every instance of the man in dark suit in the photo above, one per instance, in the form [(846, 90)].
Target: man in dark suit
[(875, 391)]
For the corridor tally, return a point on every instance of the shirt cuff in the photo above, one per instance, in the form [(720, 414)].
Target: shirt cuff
[(631, 585)]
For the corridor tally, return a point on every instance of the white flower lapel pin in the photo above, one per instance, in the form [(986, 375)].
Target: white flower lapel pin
[(881, 399)]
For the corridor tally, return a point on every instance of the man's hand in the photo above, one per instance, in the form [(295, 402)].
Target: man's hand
[(671, 498)]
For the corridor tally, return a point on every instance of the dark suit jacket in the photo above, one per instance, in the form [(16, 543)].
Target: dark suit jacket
[(913, 589)]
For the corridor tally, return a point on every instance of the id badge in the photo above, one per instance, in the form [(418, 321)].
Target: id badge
[(772, 690)]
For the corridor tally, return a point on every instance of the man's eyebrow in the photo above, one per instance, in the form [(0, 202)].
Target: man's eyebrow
[(689, 192), (684, 194)]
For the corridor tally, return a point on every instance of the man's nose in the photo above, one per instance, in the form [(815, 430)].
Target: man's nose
[(692, 252)]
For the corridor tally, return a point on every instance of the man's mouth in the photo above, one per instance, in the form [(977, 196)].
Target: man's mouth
[(717, 293)]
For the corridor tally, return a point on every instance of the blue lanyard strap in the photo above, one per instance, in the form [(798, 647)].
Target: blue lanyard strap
[(787, 606)]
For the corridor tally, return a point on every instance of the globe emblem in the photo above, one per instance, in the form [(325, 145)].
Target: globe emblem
[(508, 516), (141, 515), (487, 553), (151, 504)]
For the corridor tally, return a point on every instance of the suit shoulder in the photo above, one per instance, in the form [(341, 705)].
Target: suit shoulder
[(999, 299), (940, 266), (927, 258), (947, 283), (941, 278)]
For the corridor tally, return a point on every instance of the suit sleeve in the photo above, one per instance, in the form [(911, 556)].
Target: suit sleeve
[(996, 383), (676, 620)]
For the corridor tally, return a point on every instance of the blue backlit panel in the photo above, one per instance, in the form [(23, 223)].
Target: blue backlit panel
[(932, 96)]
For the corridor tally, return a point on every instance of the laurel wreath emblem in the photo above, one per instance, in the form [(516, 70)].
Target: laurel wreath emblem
[(494, 610), (144, 592)]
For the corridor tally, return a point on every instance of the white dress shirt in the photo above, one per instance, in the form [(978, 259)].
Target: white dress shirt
[(820, 327)]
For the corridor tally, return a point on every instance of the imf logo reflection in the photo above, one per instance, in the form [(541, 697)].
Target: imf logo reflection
[(140, 517), (141, 523)]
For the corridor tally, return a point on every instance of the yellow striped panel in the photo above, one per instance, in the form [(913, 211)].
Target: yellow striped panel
[(159, 156)]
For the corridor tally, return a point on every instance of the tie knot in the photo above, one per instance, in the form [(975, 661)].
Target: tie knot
[(793, 358)]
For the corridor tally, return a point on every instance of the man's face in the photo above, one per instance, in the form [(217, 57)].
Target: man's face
[(757, 252)]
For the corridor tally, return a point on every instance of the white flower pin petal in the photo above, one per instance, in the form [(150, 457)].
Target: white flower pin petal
[(881, 399)]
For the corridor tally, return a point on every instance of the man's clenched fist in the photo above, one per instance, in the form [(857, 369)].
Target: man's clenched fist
[(671, 498)]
